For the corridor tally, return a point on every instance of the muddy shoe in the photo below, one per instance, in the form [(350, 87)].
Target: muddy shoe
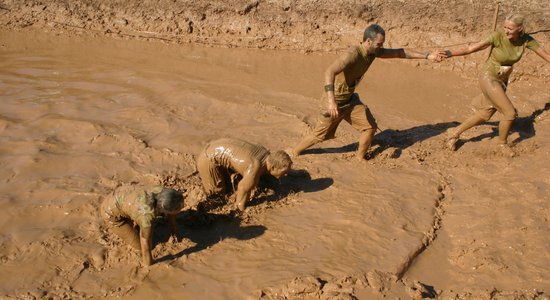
[(451, 140)]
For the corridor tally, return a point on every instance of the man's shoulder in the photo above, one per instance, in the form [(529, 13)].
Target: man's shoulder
[(351, 55), (354, 50)]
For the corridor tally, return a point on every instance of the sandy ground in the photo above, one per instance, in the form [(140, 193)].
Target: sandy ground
[(104, 101)]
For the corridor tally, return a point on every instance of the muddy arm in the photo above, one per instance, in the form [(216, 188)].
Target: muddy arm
[(468, 49), (336, 67), (247, 185), (173, 225), (543, 53), (146, 239)]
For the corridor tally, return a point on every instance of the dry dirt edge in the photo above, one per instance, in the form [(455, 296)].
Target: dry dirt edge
[(299, 25)]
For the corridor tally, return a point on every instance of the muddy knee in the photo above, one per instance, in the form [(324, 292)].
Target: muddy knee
[(510, 114), (485, 114)]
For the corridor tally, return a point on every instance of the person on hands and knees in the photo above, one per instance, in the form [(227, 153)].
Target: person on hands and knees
[(134, 207), (223, 157)]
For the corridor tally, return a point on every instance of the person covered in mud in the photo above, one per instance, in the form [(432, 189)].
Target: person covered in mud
[(135, 206), (341, 79), (222, 159), (508, 46)]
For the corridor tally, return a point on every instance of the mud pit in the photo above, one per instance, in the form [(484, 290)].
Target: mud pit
[(86, 109)]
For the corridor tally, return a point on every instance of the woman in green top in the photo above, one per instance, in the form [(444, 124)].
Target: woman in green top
[(508, 45), (133, 206)]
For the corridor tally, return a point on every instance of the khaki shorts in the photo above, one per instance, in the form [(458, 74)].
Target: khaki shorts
[(354, 112), (105, 211), (213, 177)]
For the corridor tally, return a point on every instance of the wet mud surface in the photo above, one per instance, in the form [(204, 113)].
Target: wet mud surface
[(84, 110)]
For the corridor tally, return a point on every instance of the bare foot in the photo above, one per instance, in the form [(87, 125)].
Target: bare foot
[(363, 157), (506, 150), (451, 140), (291, 153)]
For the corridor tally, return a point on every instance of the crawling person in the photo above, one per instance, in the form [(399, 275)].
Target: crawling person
[(222, 157), (131, 206)]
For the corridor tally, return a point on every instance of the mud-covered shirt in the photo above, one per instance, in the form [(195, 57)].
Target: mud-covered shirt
[(230, 153), (356, 62), (506, 52), (129, 202)]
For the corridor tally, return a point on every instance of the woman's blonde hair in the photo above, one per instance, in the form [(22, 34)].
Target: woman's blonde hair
[(518, 19)]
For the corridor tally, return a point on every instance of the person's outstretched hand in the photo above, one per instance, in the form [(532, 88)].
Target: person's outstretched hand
[(437, 56)]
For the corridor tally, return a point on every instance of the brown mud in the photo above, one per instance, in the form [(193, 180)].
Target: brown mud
[(94, 94)]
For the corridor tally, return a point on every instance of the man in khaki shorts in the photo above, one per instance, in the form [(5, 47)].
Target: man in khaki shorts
[(223, 157), (343, 103)]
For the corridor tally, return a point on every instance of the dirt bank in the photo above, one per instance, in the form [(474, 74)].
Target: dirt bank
[(283, 24)]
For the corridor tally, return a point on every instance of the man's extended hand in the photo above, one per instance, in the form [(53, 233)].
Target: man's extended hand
[(437, 56), (332, 109)]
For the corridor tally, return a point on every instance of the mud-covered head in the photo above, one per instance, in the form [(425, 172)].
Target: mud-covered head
[(372, 31), (278, 163), (374, 37), (514, 26), (169, 201)]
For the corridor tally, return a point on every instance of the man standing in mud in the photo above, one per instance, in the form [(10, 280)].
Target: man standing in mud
[(341, 78), (131, 206), (223, 157)]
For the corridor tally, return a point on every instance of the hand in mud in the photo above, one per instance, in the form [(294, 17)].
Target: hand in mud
[(173, 239)]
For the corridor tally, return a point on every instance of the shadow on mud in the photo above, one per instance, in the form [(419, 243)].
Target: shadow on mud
[(392, 138), (402, 139), (271, 189), (524, 126), (205, 230)]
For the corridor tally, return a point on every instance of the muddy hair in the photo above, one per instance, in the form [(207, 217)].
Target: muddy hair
[(169, 200), (372, 30), (280, 159), (518, 19)]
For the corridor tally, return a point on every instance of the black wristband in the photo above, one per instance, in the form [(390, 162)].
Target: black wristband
[(448, 53), (329, 88)]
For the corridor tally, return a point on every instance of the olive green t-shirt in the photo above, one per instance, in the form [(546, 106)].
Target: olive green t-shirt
[(356, 62), (129, 202), (505, 52)]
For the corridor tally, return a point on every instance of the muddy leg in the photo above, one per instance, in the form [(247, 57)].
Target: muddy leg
[(503, 130), (128, 234), (303, 145), (454, 134), (365, 140)]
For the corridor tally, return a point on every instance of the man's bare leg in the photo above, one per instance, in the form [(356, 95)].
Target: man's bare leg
[(303, 145), (365, 140)]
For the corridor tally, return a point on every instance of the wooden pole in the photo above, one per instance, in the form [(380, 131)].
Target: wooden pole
[(495, 18)]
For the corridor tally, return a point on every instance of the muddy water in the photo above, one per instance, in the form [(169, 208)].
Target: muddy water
[(80, 116)]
